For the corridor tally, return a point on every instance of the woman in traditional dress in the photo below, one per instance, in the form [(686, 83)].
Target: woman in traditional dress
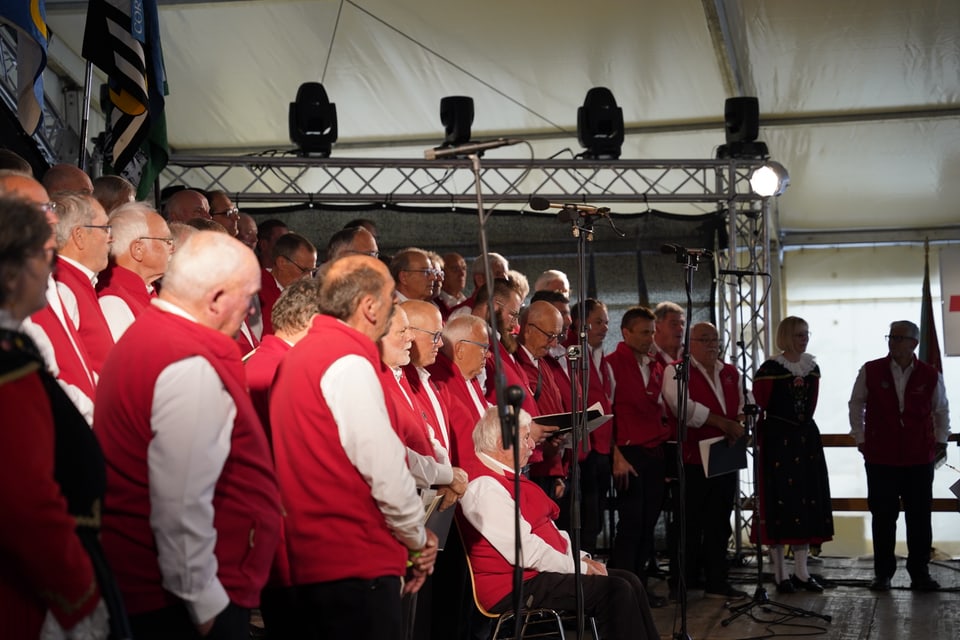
[(794, 490)]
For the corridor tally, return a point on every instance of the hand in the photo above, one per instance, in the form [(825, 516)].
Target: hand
[(413, 581), (540, 432), (622, 470), (559, 486), (732, 429), (204, 628), (428, 555), (453, 491), (595, 568)]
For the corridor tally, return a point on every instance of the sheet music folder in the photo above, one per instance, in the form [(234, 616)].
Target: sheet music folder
[(595, 418), (438, 521), (720, 457)]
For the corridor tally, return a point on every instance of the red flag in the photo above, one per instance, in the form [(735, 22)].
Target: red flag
[(929, 350)]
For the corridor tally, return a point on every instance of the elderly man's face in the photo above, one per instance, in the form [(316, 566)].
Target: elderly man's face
[(471, 354), (598, 323), (901, 343), (99, 236), (222, 210), (705, 344), (157, 247), (669, 331), (454, 273), (542, 333), (418, 278), (395, 344), (424, 351)]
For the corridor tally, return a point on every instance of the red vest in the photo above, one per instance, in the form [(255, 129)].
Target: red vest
[(423, 398), (600, 386), (892, 437), (260, 367), (492, 573), (73, 362), (513, 375), (94, 331), (462, 412), (126, 285), (334, 528), (637, 412), (410, 424), (245, 501), (700, 391), (269, 292)]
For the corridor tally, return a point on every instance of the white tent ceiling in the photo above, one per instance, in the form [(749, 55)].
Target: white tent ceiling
[(859, 99)]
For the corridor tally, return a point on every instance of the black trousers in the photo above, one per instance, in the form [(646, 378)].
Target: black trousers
[(639, 508), (173, 623), (886, 487), (617, 602), (707, 504), (354, 608), (595, 474)]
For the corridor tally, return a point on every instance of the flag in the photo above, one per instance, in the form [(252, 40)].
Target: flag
[(29, 18), (122, 38), (929, 350)]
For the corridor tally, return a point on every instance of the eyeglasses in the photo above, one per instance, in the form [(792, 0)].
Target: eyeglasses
[(372, 254), (230, 213), (312, 271), (512, 314), (899, 338), (709, 341), (427, 272), (482, 345), (434, 335), (48, 206), (167, 241), (551, 337), (106, 227)]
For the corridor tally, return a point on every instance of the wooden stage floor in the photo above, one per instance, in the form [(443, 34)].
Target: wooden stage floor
[(856, 612)]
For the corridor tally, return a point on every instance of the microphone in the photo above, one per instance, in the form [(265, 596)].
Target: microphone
[(741, 272), (682, 251), (541, 204), (473, 147), (513, 396), (573, 352)]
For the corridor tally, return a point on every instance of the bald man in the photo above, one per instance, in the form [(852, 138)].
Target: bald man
[(192, 514), (186, 204), (247, 230), (62, 178), (113, 191), (352, 241), (354, 519), (141, 250), (223, 210)]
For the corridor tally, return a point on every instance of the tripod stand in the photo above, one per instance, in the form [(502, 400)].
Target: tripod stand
[(751, 411)]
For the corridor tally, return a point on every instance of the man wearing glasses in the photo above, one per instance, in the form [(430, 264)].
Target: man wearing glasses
[(900, 420), (83, 245), (223, 211), (414, 274), (141, 250), (294, 257)]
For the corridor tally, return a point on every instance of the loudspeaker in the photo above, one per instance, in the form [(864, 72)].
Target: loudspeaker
[(741, 119)]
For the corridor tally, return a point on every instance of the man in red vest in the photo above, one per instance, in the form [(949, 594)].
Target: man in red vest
[(639, 431), (354, 525), (83, 240), (294, 258), (614, 598), (191, 516), (900, 420), (714, 408), (141, 250)]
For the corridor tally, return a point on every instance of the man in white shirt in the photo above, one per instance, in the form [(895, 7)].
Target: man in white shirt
[(616, 600)]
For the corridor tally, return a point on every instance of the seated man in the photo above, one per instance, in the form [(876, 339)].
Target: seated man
[(616, 601)]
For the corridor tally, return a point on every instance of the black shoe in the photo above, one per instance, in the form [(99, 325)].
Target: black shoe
[(880, 584), (726, 592), (656, 602), (786, 587), (810, 585), (925, 583)]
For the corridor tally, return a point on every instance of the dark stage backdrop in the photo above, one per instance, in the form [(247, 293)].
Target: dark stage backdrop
[(627, 270)]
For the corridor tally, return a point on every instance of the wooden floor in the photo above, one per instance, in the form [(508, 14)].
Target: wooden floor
[(854, 610)]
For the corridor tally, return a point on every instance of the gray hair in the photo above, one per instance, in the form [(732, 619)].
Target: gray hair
[(487, 436), (129, 222), (207, 259), (73, 210), (459, 328), (911, 328)]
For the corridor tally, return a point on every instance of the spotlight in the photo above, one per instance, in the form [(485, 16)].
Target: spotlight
[(456, 114), (741, 124), (313, 120), (770, 180), (600, 125)]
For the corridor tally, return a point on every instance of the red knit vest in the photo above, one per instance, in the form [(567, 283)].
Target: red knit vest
[(94, 331), (246, 501), (269, 292), (892, 437), (126, 285), (334, 527), (700, 391), (637, 412), (73, 361)]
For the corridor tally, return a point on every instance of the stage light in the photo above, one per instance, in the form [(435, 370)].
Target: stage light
[(313, 120), (456, 114), (741, 125), (600, 125), (770, 180)]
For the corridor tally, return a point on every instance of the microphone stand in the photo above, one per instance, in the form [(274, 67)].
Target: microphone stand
[(690, 262), (508, 411), (751, 411)]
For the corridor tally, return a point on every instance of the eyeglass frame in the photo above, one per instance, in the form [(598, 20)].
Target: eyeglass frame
[(106, 227), (436, 336), (891, 338), (707, 341), (551, 337), (372, 254), (167, 241), (232, 212), (483, 345), (312, 272), (429, 272)]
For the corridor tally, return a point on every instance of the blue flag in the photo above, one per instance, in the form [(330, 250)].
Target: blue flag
[(29, 18)]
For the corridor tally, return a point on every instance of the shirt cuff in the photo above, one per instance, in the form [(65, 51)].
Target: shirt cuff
[(207, 604)]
